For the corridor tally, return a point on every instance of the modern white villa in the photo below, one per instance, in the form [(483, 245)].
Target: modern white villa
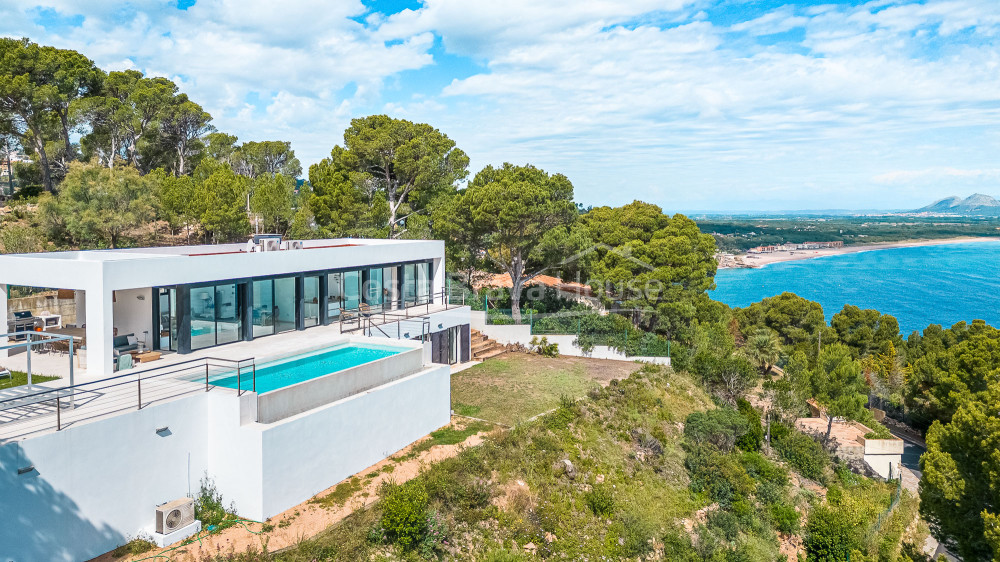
[(275, 368)]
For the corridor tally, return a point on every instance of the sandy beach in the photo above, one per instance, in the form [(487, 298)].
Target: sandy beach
[(729, 261)]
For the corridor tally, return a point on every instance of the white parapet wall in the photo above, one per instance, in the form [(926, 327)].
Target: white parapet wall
[(92, 486), (521, 334)]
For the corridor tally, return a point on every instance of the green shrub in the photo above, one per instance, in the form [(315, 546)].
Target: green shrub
[(600, 500), (543, 347), (404, 513), (720, 476), (499, 318), (829, 536), (753, 439), (208, 506), (786, 519), (629, 537), (879, 431), (721, 427), (803, 453), (563, 415)]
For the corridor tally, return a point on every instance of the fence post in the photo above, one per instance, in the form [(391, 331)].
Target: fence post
[(255, 376), (239, 387), (138, 382), (206, 375), (58, 413)]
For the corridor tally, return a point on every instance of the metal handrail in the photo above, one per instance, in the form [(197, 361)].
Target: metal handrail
[(140, 374)]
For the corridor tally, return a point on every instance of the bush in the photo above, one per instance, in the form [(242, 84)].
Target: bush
[(829, 536), (600, 500), (803, 453), (543, 347), (208, 506), (786, 519), (722, 428), (721, 476), (754, 437), (879, 431), (499, 318), (404, 513)]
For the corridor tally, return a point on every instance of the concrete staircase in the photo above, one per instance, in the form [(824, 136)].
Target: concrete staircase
[(483, 347)]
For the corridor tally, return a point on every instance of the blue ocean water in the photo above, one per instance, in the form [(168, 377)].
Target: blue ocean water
[(924, 285)]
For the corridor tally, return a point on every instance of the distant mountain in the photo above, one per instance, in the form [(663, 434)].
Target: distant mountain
[(976, 204)]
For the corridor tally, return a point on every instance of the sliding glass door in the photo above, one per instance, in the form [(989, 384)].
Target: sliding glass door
[(167, 319), (262, 313), (284, 304), (310, 308), (215, 315)]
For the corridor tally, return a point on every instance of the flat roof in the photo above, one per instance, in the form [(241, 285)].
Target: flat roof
[(154, 252), (174, 265)]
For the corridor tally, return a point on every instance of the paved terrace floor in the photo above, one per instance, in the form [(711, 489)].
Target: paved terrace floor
[(106, 400)]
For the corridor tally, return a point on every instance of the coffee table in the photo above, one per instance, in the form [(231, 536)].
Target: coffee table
[(147, 356)]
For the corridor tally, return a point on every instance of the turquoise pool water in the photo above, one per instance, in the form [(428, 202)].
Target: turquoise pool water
[(299, 368)]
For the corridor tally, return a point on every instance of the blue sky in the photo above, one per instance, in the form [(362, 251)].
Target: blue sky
[(690, 104)]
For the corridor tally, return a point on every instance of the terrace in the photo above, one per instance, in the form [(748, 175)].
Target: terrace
[(79, 397)]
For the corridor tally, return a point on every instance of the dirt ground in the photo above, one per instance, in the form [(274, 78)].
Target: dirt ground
[(310, 518)]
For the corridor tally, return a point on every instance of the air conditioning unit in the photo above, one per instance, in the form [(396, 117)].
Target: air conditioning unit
[(174, 516), (270, 245), (294, 244)]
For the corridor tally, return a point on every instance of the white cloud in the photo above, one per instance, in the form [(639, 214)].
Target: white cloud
[(632, 99), (932, 175)]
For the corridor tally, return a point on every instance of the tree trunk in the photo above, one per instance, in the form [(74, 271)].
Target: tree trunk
[(68, 148), (44, 161), (829, 425), (515, 299)]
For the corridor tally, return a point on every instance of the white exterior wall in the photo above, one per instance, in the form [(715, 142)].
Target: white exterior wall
[(98, 483), (508, 334), (885, 465), (100, 339), (133, 313), (303, 457)]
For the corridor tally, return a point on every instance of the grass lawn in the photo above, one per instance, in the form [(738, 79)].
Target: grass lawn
[(517, 386), (21, 378)]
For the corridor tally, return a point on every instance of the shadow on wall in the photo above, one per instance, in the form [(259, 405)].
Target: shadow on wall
[(40, 522)]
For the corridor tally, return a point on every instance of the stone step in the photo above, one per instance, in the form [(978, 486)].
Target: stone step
[(493, 353)]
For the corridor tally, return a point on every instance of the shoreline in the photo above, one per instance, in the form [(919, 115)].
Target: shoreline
[(757, 261)]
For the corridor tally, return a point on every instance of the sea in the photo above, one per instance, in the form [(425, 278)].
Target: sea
[(920, 285)]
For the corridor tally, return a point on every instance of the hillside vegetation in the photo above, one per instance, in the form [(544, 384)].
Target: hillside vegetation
[(648, 468)]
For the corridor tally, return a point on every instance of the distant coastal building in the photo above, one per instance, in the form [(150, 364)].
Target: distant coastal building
[(788, 247), (821, 245)]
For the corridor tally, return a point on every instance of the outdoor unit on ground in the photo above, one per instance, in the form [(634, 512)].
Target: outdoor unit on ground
[(174, 515)]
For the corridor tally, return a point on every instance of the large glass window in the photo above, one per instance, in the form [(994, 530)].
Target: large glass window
[(284, 304), (310, 292), (373, 289), (335, 300), (390, 292), (352, 290), (167, 321), (227, 310), (215, 315), (202, 317), (423, 282), (263, 308), (409, 284)]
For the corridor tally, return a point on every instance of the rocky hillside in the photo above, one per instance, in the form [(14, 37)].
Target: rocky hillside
[(976, 204)]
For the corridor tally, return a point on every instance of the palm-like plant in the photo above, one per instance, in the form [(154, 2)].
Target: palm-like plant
[(763, 349)]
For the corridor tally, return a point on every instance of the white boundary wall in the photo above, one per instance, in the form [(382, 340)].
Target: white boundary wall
[(96, 484), (508, 334)]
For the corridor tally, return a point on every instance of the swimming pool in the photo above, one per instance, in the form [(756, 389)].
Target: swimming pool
[(299, 368)]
